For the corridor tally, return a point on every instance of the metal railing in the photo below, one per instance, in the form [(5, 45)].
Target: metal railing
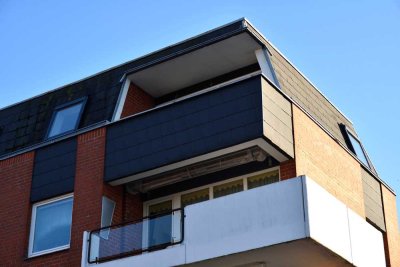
[(132, 238)]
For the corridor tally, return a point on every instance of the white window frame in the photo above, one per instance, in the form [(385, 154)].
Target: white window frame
[(176, 198), (105, 233), (80, 101), (33, 224)]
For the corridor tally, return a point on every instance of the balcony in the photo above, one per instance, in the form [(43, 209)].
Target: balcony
[(127, 239), (289, 223), (235, 116)]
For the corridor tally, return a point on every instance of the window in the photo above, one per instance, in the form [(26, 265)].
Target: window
[(358, 150), (354, 144), (262, 179), (164, 229), (107, 211), (160, 228), (228, 188), (50, 226), (211, 191), (66, 118), (195, 197)]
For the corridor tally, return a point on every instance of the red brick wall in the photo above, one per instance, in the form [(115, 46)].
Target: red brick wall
[(288, 169), (15, 207), (133, 207), (15, 179), (136, 101), (88, 188)]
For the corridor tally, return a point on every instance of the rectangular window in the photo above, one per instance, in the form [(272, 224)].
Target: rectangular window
[(107, 212), (195, 197), (357, 149), (160, 228), (263, 179), (355, 146), (66, 118), (228, 188), (51, 226)]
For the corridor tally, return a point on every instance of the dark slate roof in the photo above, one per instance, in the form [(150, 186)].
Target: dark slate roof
[(26, 123)]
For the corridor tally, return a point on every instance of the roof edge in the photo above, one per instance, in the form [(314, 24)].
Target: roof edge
[(302, 74), (124, 63)]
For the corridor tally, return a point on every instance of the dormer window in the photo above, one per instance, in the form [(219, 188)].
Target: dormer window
[(66, 118)]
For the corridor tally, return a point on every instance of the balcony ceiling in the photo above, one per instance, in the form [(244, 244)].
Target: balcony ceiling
[(301, 253), (197, 66)]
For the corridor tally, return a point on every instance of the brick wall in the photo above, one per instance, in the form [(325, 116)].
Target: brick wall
[(133, 207), (392, 235), (287, 169), (327, 163), (136, 101), (15, 207), (15, 178), (88, 189)]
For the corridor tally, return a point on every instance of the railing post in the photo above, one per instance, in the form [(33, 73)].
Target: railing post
[(85, 242)]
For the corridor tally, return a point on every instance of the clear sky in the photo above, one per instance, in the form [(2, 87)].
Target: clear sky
[(349, 48)]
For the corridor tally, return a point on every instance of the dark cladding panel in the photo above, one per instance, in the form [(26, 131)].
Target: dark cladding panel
[(186, 129), (54, 170), (373, 200)]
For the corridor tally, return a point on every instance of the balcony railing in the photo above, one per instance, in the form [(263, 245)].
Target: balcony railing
[(131, 238)]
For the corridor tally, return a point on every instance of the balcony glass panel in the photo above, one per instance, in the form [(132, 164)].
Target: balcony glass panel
[(150, 233)]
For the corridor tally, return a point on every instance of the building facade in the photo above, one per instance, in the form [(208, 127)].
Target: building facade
[(215, 151)]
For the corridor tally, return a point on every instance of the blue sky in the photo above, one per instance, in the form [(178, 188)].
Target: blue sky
[(348, 48)]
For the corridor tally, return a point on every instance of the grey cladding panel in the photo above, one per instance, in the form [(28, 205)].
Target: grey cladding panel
[(54, 170), (277, 118), (373, 200), (305, 94), (195, 126)]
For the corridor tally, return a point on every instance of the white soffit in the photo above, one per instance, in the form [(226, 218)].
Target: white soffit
[(197, 66)]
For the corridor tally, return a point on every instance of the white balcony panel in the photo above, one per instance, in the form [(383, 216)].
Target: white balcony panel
[(290, 223), (327, 219), (366, 242), (244, 221)]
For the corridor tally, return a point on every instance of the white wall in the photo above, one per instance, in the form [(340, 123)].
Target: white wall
[(251, 219), (289, 210), (340, 229)]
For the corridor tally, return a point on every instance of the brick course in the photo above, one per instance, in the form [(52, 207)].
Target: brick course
[(15, 178), (136, 101), (287, 169), (326, 162), (392, 235)]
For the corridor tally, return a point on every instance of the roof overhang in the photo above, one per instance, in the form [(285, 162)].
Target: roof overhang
[(197, 65)]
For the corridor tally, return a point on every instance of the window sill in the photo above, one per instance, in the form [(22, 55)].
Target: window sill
[(47, 252)]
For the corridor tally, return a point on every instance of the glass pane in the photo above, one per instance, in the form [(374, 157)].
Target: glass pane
[(195, 197), (65, 120), (53, 225), (228, 188), (263, 179), (127, 239), (358, 149), (107, 211), (160, 228)]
